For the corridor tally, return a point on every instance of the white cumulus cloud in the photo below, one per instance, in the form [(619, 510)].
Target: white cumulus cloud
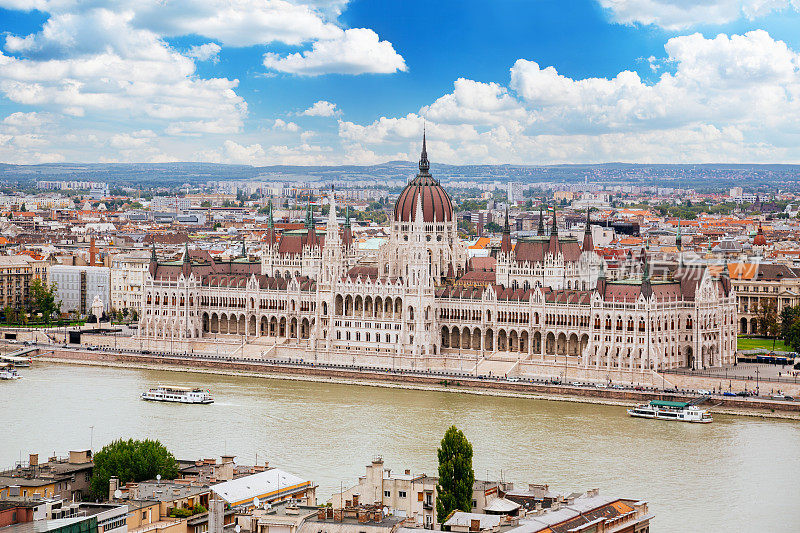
[(682, 14), (729, 98), (205, 52), (352, 51), (282, 125), (322, 108)]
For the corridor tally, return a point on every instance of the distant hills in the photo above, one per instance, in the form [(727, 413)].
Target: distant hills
[(712, 176)]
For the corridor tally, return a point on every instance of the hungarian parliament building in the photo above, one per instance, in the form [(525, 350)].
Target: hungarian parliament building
[(549, 309)]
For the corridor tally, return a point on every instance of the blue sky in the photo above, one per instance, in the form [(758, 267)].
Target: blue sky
[(337, 81)]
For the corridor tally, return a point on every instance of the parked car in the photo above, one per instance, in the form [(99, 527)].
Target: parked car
[(728, 393), (704, 392), (777, 397)]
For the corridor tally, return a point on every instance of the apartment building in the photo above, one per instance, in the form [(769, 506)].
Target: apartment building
[(128, 272), (16, 274), (77, 286)]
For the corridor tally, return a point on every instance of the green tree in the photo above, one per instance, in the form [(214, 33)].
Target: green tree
[(131, 460), (767, 319), (493, 227), (788, 316), (456, 476), (43, 299)]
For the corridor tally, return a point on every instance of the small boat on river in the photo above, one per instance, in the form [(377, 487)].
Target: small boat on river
[(171, 393), (679, 411), (8, 373)]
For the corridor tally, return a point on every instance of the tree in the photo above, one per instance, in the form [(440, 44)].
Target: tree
[(493, 227), (43, 299), (456, 476), (131, 460), (788, 316), (767, 319), (792, 337)]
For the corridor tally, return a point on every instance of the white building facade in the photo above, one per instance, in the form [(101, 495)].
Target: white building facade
[(77, 286), (128, 272)]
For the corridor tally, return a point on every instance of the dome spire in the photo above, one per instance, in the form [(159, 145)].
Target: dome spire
[(424, 165)]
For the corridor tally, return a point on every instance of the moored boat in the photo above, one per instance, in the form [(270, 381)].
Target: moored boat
[(171, 393), (665, 410), (9, 373)]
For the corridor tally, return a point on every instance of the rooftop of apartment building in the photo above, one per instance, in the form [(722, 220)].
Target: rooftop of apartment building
[(35, 474)]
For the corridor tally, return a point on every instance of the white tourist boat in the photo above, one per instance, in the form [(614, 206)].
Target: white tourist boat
[(664, 410), (9, 373), (171, 393)]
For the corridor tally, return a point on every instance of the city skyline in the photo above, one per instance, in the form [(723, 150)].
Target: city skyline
[(333, 82)]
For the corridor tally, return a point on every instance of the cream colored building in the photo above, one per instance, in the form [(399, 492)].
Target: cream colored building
[(758, 285), (15, 279), (128, 272), (407, 495)]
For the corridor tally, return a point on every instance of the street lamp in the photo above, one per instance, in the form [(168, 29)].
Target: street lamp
[(757, 372)]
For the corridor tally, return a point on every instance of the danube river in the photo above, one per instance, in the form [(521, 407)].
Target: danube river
[(737, 474)]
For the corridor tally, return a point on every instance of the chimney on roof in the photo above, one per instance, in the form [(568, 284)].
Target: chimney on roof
[(113, 485), (92, 253)]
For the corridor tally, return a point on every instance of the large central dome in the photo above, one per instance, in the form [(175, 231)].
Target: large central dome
[(436, 204)]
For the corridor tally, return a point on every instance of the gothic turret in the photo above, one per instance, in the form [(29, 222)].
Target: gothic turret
[(540, 229), (153, 260), (505, 244), (647, 287), (347, 232), (186, 267), (588, 243), (554, 246), (271, 237)]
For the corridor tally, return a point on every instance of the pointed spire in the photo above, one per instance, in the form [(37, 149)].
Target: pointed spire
[(554, 246), (244, 248), (588, 243), (347, 232), (271, 236), (186, 267), (725, 277), (309, 215), (153, 256), (678, 239), (540, 229), (270, 220), (505, 243), (424, 165)]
